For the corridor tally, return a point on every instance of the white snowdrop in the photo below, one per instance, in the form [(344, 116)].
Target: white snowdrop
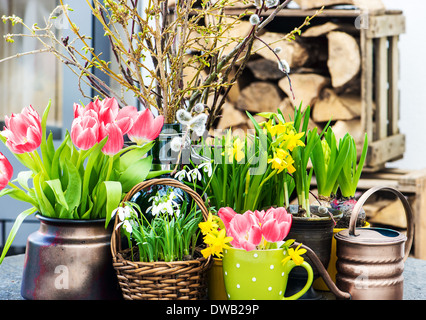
[(207, 167), (127, 226)]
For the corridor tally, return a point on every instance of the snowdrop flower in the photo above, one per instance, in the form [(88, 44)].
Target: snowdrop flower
[(123, 213), (180, 175), (127, 226), (207, 167), (194, 174), (271, 3), (199, 107), (284, 66), (254, 19)]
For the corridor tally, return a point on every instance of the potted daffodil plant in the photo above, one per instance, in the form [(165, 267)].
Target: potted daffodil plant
[(73, 189)]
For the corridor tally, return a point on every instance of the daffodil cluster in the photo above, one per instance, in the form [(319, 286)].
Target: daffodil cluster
[(284, 138), (214, 236)]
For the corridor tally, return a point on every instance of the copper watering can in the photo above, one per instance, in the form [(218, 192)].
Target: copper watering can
[(370, 261)]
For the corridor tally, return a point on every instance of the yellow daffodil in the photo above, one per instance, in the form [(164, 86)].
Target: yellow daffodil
[(277, 129), (282, 160), (209, 225), (295, 255), (292, 140), (235, 150), (216, 242)]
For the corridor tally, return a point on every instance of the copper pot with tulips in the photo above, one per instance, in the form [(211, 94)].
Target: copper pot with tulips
[(72, 186)]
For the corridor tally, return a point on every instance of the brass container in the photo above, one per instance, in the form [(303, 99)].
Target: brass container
[(370, 261), (69, 260)]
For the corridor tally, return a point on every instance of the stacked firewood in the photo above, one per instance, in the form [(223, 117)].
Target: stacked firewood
[(325, 72)]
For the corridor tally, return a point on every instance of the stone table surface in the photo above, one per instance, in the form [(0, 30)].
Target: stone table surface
[(11, 275)]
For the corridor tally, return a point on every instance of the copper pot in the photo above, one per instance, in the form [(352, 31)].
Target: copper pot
[(69, 259), (370, 261)]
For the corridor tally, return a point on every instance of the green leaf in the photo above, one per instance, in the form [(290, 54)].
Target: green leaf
[(18, 194), (44, 146), (73, 190), (19, 219), (56, 187), (112, 190), (44, 204), (55, 171), (135, 173), (23, 177), (137, 152), (93, 159)]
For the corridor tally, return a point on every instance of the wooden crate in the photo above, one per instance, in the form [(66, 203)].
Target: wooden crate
[(379, 87), (412, 183)]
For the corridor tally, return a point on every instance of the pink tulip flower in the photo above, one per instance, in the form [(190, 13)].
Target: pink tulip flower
[(23, 131), (145, 128), (276, 224), (253, 228), (115, 140), (245, 231), (6, 171), (99, 119), (226, 214), (85, 130)]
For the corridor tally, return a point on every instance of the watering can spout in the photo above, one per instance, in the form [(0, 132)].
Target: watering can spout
[(324, 274)]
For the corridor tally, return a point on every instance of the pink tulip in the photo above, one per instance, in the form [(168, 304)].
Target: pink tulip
[(23, 131), (99, 119), (276, 224), (85, 130), (145, 128), (245, 231), (115, 140), (226, 214), (252, 228), (6, 171)]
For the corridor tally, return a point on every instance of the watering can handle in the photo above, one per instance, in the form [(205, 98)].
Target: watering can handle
[(407, 208), (323, 272)]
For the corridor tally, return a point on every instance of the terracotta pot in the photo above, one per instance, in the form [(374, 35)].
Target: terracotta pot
[(69, 260)]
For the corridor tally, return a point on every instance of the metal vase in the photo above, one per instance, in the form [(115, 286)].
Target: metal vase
[(69, 260), (316, 233)]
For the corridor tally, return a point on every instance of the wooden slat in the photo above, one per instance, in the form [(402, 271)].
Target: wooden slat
[(394, 101), (386, 149), (381, 87), (385, 26), (367, 84)]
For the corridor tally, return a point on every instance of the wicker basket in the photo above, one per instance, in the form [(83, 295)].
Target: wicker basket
[(177, 280)]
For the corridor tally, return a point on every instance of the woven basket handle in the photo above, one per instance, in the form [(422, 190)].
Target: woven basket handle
[(116, 240)]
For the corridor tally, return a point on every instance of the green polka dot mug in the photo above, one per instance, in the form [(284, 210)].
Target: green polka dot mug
[(259, 274)]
